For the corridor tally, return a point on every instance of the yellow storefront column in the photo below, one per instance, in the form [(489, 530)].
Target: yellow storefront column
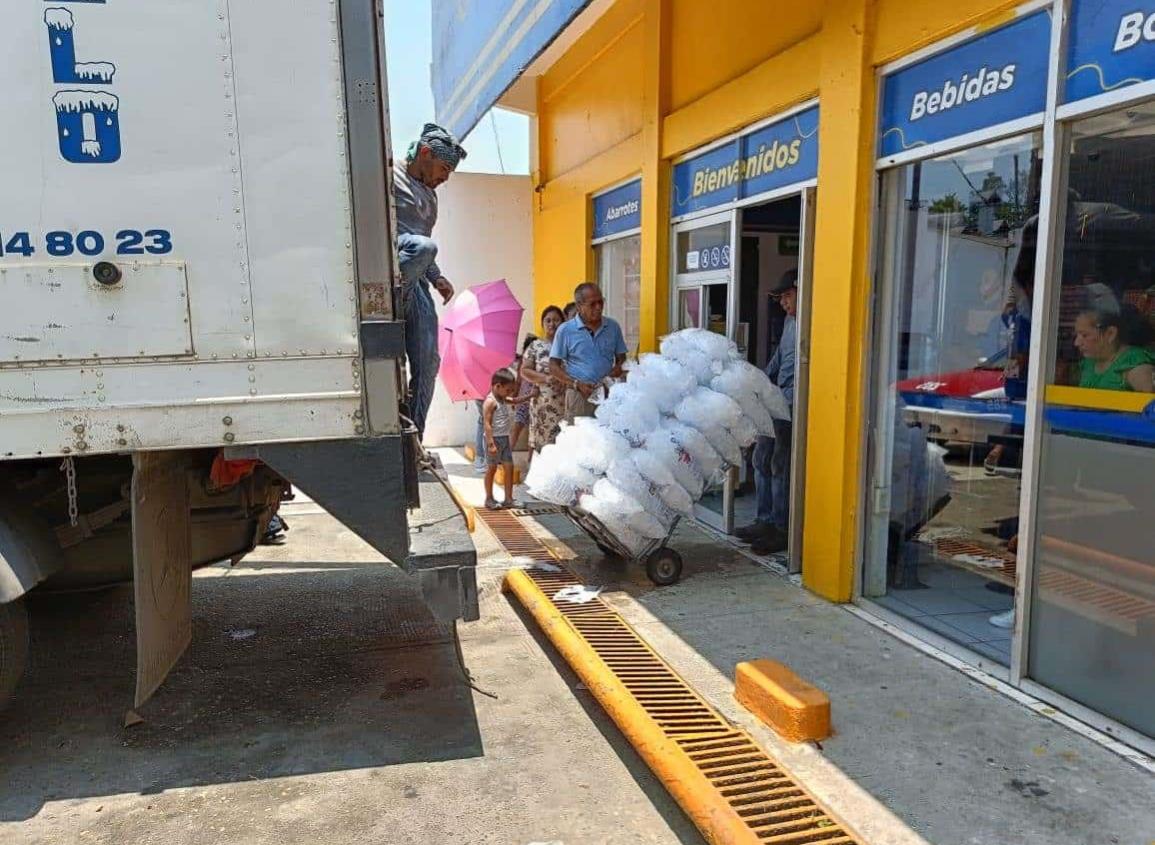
[(840, 301), (655, 282)]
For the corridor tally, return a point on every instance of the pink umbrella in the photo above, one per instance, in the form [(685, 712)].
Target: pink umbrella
[(478, 336)]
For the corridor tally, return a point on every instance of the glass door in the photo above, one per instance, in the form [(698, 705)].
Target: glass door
[(704, 270), (955, 272)]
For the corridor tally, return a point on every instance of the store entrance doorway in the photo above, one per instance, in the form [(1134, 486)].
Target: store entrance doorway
[(727, 267), (773, 334)]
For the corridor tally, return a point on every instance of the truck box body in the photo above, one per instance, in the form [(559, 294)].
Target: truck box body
[(213, 172), (196, 257)]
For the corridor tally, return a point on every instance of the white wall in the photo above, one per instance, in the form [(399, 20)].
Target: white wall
[(484, 233)]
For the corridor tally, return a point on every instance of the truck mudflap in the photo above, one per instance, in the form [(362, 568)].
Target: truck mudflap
[(361, 482), (162, 565)]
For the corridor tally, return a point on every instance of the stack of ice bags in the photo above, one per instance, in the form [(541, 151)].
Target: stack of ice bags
[(658, 440)]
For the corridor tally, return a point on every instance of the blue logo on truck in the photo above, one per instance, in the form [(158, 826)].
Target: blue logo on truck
[(62, 48), (88, 126), (87, 122)]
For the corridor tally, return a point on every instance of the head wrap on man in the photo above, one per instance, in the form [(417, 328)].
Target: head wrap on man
[(440, 142)]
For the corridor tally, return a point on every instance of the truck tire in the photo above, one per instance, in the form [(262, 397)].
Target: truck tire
[(13, 648)]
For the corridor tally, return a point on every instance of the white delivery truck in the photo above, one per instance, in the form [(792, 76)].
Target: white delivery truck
[(197, 266)]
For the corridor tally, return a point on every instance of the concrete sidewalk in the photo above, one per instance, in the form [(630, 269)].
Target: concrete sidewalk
[(922, 751)]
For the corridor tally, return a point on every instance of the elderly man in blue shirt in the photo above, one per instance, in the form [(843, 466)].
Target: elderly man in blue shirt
[(586, 350), (769, 533)]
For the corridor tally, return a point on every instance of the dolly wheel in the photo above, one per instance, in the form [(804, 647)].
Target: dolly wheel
[(664, 566)]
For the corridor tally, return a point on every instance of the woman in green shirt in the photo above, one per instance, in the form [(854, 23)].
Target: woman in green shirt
[(1109, 362)]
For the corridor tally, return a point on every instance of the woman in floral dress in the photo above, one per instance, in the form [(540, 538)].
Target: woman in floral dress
[(547, 409), (526, 389)]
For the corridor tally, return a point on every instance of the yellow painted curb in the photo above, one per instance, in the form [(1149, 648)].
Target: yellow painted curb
[(467, 510), (794, 709), (705, 806)]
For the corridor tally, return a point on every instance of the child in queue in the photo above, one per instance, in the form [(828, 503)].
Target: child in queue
[(497, 413)]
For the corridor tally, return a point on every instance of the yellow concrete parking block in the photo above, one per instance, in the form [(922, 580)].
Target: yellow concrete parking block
[(792, 707)]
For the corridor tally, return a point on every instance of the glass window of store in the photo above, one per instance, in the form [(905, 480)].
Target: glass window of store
[(955, 272), (1092, 606), (617, 245), (971, 277)]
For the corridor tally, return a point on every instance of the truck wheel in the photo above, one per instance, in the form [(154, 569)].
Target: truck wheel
[(13, 648)]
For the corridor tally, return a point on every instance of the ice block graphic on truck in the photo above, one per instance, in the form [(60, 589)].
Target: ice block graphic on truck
[(62, 48), (88, 126)]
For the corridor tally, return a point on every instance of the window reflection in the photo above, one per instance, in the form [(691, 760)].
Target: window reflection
[(1107, 271), (619, 265), (690, 308), (1092, 634), (959, 262)]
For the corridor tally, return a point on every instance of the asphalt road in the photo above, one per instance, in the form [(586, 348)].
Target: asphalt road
[(319, 702)]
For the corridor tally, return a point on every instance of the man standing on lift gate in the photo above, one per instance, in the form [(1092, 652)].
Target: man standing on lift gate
[(769, 533), (429, 163)]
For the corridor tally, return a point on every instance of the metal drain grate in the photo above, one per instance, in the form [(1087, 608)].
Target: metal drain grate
[(512, 533), (659, 692), (765, 804), (536, 509)]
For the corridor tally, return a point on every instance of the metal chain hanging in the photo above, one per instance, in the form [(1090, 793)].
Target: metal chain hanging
[(68, 467)]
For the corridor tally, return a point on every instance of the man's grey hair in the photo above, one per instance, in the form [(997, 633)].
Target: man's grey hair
[(579, 293)]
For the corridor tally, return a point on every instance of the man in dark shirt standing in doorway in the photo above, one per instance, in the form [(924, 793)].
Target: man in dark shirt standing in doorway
[(770, 531)]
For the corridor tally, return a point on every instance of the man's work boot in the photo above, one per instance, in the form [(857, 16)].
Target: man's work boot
[(752, 531), (772, 542)]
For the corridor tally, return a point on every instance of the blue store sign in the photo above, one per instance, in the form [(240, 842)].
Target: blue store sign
[(619, 210), (991, 79), (1112, 45), (772, 157)]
